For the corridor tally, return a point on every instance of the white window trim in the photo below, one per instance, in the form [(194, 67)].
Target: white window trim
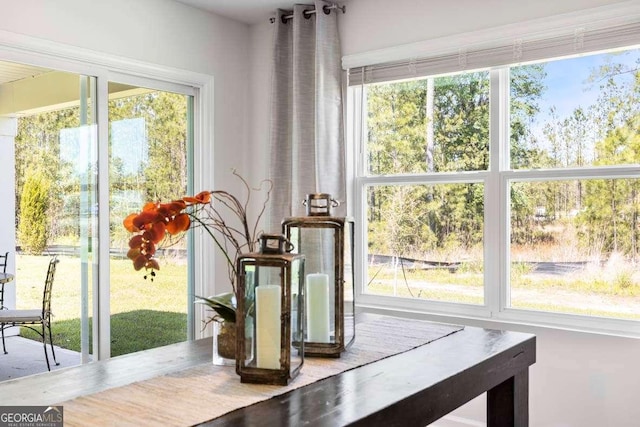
[(496, 240), (48, 54), (552, 26)]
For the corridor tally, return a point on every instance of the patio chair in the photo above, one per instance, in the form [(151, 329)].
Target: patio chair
[(31, 317), (4, 260)]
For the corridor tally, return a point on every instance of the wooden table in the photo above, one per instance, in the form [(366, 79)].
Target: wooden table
[(413, 388)]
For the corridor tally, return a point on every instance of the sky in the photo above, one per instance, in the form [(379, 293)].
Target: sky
[(567, 85)]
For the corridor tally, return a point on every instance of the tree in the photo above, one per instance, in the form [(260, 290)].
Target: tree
[(33, 227), (161, 173), (38, 145), (435, 125), (611, 207), (164, 173), (526, 87), (461, 116)]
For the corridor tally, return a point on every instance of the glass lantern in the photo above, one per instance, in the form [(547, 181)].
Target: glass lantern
[(270, 313), (327, 243)]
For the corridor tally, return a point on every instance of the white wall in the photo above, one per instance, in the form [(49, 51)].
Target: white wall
[(377, 24), (580, 379), (160, 32), (260, 84)]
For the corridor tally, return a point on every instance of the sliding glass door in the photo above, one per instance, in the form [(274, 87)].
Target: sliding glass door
[(89, 150), (149, 141), (54, 150)]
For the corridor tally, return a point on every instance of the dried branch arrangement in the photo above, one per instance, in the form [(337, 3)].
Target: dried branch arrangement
[(219, 213)]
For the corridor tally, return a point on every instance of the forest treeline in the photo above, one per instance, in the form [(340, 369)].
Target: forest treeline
[(54, 154), (442, 125), (414, 127)]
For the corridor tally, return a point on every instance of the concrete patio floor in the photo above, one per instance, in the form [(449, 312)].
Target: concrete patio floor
[(26, 357)]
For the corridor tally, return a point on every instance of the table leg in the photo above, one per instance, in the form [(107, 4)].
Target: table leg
[(508, 402)]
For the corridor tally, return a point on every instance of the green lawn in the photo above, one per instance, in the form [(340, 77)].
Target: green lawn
[(144, 314)]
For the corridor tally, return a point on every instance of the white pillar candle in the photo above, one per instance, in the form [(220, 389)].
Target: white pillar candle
[(317, 289), (268, 310)]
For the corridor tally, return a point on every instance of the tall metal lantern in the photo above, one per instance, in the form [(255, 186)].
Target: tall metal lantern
[(327, 243), (270, 313)]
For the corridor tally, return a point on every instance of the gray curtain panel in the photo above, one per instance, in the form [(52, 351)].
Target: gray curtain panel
[(307, 136)]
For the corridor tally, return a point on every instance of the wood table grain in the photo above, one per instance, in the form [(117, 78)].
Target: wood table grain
[(414, 388)]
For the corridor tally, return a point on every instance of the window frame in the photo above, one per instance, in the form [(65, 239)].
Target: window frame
[(496, 221)]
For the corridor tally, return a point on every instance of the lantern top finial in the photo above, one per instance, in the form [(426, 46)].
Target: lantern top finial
[(320, 204)]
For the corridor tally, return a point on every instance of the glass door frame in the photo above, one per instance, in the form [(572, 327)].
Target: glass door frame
[(104, 67), (192, 93)]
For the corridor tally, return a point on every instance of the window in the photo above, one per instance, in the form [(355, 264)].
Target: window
[(425, 241), (426, 129), (429, 125), (509, 191), (574, 202)]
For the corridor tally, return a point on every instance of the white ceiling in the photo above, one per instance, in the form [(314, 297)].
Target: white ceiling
[(247, 11), (11, 72)]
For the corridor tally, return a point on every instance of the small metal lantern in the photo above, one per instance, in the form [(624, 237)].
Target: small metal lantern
[(327, 243), (270, 313)]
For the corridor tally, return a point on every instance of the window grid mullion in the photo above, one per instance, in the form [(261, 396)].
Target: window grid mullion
[(505, 203), (493, 200)]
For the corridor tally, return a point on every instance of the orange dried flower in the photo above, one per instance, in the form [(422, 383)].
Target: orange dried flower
[(159, 221)]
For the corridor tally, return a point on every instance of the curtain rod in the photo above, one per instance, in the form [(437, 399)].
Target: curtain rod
[(326, 9)]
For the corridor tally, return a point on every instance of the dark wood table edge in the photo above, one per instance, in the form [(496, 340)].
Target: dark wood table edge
[(504, 376), (501, 376)]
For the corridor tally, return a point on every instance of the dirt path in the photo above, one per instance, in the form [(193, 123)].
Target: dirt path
[(571, 300)]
